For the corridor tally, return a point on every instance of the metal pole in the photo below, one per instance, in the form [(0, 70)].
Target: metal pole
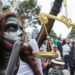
[(65, 5)]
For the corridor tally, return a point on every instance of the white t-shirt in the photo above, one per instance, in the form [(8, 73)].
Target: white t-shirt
[(59, 56), (66, 49), (24, 68), (44, 47)]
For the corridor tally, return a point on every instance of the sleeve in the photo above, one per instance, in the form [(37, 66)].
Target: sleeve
[(59, 56), (35, 48)]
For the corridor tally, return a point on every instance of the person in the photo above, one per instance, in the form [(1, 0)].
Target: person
[(66, 50), (35, 33), (55, 50), (59, 45), (11, 29), (57, 65), (58, 68), (49, 43), (45, 62), (46, 66), (44, 46), (72, 59)]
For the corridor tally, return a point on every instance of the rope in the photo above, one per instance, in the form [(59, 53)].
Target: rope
[(44, 27)]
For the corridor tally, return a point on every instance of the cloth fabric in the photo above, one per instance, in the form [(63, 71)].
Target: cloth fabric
[(43, 62), (44, 47), (66, 60), (72, 69), (54, 71), (59, 46), (57, 51), (66, 49), (46, 68), (71, 56), (24, 68), (64, 71), (49, 47), (72, 61), (12, 19), (35, 32)]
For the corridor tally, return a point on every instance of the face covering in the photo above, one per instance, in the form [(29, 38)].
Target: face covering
[(13, 30)]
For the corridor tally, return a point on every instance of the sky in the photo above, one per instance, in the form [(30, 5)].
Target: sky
[(59, 27)]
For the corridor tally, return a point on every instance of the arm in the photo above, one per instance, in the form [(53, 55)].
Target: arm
[(55, 10)]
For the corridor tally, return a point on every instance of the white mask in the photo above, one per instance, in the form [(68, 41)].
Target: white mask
[(13, 32)]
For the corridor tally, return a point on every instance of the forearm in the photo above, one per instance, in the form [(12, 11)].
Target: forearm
[(55, 10)]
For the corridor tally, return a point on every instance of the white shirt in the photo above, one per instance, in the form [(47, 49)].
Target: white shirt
[(57, 51), (66, 49), (24, 68), (44, 47)]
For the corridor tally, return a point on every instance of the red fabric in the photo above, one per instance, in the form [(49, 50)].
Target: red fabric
[(6, 44)]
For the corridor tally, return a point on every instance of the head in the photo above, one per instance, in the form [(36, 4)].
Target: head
[(64, 42), (48, 37), (54, 48), (59, 39), (58, 63), (46, 42), (11, 28), (51, 42), (67, 41)]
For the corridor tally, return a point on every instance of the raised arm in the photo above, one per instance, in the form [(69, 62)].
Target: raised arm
[(55, 10)]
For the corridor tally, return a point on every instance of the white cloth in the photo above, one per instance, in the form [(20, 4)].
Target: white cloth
[(44, 47), (57, 51), (64, 71), (66, 49), (59, 56), (24, 68)]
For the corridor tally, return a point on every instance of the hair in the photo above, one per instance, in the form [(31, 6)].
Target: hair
[(73, 44), (3, 17), (26, 56), (59, 38), (26, 52), (64, 42)]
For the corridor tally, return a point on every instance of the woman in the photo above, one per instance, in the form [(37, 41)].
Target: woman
[(11, 24), (72, 59)]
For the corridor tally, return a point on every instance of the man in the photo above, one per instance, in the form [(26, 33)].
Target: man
[(66, 51)]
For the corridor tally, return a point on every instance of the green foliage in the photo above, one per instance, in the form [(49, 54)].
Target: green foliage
[(7, 9), (72, 33), (28, 11), (53, 34)]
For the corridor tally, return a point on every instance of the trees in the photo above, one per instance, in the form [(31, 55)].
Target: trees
[(28, 10), (12, 4), (72, 33)]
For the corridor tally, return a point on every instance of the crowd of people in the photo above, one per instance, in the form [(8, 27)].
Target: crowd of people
[(66, 52), (11, 30)]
